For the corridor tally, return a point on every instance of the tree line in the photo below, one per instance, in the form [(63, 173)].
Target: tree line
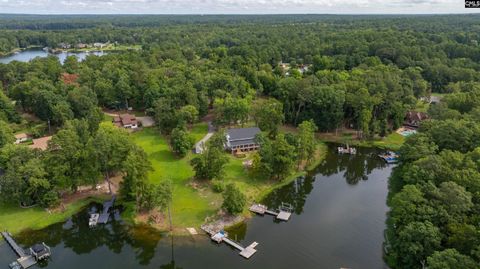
[(435, 192)]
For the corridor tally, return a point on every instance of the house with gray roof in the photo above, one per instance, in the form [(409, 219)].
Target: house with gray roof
[(242, 139)]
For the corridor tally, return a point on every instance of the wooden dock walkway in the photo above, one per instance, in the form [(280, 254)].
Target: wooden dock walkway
[(221, 236), (16, 248), (284, 212), (104, 216), (233, 243), (25, 260)]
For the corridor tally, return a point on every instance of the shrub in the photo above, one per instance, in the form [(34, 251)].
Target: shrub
[(233, 199), (218, 186)]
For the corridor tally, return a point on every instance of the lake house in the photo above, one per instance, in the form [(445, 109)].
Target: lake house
[(414, 118), (242, 139)]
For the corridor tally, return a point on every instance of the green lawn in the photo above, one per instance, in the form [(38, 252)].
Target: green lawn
[(393, 141), (14, 219), (107, 118), (199, 130), (189, 206)]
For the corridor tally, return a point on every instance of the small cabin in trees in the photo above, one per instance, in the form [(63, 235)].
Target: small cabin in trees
[(21, 138), (242, 139), (127, 121)]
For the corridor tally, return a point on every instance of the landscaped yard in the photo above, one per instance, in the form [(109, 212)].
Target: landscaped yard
[(192, 203), (14, 219), (189, 206)]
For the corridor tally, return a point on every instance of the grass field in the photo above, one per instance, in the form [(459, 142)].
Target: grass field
[(14, 219), (189, 206), (393, 141)]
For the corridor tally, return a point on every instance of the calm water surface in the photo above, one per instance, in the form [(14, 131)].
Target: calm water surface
[(27, 55), (339, 219)]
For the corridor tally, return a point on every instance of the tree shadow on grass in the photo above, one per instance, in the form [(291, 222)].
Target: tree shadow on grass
[(164, 156)]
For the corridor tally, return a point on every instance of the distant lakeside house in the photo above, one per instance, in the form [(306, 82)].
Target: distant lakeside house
[(100, 45), (242, 139), (81, 46), (21, 138), (413, 119), (127, 121)]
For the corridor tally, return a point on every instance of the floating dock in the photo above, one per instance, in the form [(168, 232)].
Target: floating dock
[(347, 150), (26, 260), (222, 236), (283, 213), (105, 215), (92, 222)]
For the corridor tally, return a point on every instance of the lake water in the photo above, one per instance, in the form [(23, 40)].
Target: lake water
[(338, 221), (27, 55)]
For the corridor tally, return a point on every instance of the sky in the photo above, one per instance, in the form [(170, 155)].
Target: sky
[(234, 6)]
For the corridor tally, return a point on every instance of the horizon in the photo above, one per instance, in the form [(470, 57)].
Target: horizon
[(234, 7), (240, 14)]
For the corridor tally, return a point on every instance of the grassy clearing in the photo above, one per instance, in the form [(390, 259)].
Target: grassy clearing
[(190, 206), (393, 141), (107, 118), (14, 219), (199, 130)]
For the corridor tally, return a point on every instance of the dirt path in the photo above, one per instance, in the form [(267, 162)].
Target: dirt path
[(200, 144), (84, 192)]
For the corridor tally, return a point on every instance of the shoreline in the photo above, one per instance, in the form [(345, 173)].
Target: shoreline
[(72, 50), (228, 221), (17, 50), (231, 221)]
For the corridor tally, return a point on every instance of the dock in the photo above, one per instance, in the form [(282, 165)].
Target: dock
[(222, 236), (92, 222), (26, 260), (16, 248), (105, 215), (347, 150), (283, 213)]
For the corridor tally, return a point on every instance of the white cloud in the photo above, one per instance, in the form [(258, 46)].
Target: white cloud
[(233, 6)]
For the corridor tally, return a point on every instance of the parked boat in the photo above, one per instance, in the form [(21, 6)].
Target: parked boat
[(389, 157)]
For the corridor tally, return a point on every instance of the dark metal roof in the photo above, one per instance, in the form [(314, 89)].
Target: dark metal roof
[(242, 142), (38, 248), (242, 134)]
